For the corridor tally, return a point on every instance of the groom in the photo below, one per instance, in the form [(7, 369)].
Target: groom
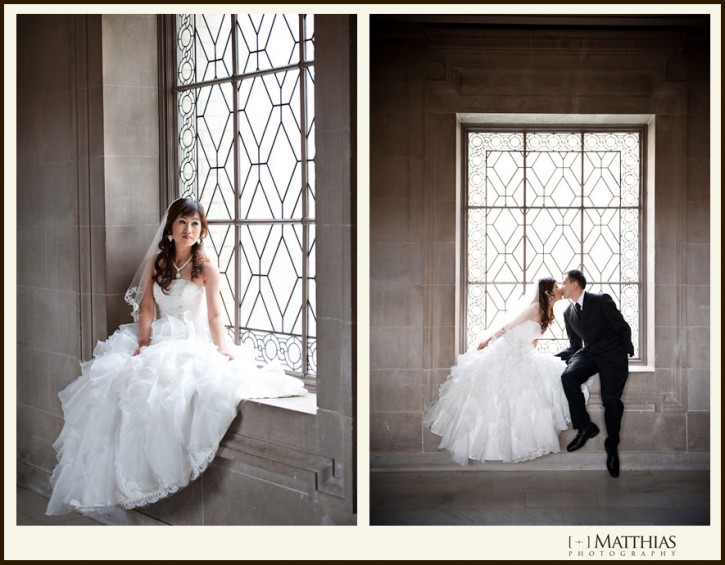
[(599, 342)]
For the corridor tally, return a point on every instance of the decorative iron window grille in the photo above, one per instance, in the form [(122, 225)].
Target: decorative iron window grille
[(246, 150), (539, 203)]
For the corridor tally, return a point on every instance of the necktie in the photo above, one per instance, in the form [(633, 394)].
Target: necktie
[(578, 309)]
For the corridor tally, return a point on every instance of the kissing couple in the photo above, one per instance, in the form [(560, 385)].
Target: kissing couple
[(506, 401)]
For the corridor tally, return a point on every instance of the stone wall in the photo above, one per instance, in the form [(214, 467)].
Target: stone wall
[(50, 164), (423, 76), (88, 201)]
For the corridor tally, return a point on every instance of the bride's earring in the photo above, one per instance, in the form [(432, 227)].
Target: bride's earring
[(170, 237)]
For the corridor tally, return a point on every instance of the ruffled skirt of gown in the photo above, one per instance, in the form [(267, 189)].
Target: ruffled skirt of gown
[(503, 403), (138, 428)]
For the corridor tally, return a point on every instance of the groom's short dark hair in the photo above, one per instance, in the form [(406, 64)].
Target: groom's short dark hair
[(579, 277)]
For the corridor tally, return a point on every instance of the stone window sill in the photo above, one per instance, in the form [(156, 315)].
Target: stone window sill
[(306, 404), (641, 369)]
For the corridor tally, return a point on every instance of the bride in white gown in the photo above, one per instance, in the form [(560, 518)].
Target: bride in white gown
[(147, 414), (504, 401)]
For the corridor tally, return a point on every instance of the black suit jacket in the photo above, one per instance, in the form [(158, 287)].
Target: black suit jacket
[(602, 331)]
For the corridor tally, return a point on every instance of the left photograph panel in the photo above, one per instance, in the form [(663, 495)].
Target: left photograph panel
[(185, 252)]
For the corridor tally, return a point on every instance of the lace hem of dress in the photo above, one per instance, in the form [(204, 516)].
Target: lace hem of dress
[(163, 492), (534, 455)]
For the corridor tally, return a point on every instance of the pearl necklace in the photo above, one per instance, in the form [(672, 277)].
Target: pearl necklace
[(179, 269)]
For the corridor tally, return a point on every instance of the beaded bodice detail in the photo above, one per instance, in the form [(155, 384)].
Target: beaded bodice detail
[(184, 296), (523, 334)]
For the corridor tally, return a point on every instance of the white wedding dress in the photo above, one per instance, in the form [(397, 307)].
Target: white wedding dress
[(138, 428), (502, 403)]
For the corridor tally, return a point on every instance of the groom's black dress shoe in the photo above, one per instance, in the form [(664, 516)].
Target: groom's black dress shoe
[(612, 461), (582, 437)]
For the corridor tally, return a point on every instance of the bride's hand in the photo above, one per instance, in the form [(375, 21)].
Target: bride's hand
[(142, 342), (229, 356), (484, 344)]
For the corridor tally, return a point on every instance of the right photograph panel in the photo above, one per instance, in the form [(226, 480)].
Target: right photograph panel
[(540, 270)]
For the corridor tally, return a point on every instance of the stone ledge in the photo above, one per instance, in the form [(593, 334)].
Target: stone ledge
[(280, 464), (389, 463), (306, 404)]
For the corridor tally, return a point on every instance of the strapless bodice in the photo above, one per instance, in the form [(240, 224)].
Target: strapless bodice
[(183, 296)]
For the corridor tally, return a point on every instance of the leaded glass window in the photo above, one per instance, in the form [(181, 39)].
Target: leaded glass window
[(245, 111), (539, 203)]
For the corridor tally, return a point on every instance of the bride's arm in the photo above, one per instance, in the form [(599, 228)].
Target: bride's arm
[(528, 313), (214, 307), (146, 313)]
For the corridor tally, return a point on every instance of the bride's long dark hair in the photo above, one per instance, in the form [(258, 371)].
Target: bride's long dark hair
[(163, 264), (545, 298)]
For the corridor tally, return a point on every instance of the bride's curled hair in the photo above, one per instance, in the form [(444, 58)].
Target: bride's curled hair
[(163, 265), (545, 298)]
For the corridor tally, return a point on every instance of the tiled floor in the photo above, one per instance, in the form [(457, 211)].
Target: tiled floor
[(31, 512), (503, 498), (540, 498)]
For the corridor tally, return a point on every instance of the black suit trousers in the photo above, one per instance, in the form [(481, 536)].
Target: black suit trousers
[(613, 373)]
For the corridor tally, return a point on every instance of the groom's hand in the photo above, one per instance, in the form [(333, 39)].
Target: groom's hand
[(564, 355)]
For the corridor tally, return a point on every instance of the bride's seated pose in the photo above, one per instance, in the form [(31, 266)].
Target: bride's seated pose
[(148, 412), (504, 401)]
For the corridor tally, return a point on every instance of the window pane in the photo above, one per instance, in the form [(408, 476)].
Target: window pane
[(476, 245), (553, 242), (310, 111), (272, 271), (267, 41), (602, 174), (271, 297), (205, 47), (270, 139), (619, 154), (215, 150), (309, 24), (630, 244), (504, 178), (505, 245), (580, 209), (311, 200), (476, 313), (188, 142), (185, 55), (220, 246), (501, 302), (312, 300), (495, 169), (602, 244), (553, 178), (246, 152), (311, 269), (629, 301)]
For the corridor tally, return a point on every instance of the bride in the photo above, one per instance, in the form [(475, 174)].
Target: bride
[(504, 401), (147, 414)]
